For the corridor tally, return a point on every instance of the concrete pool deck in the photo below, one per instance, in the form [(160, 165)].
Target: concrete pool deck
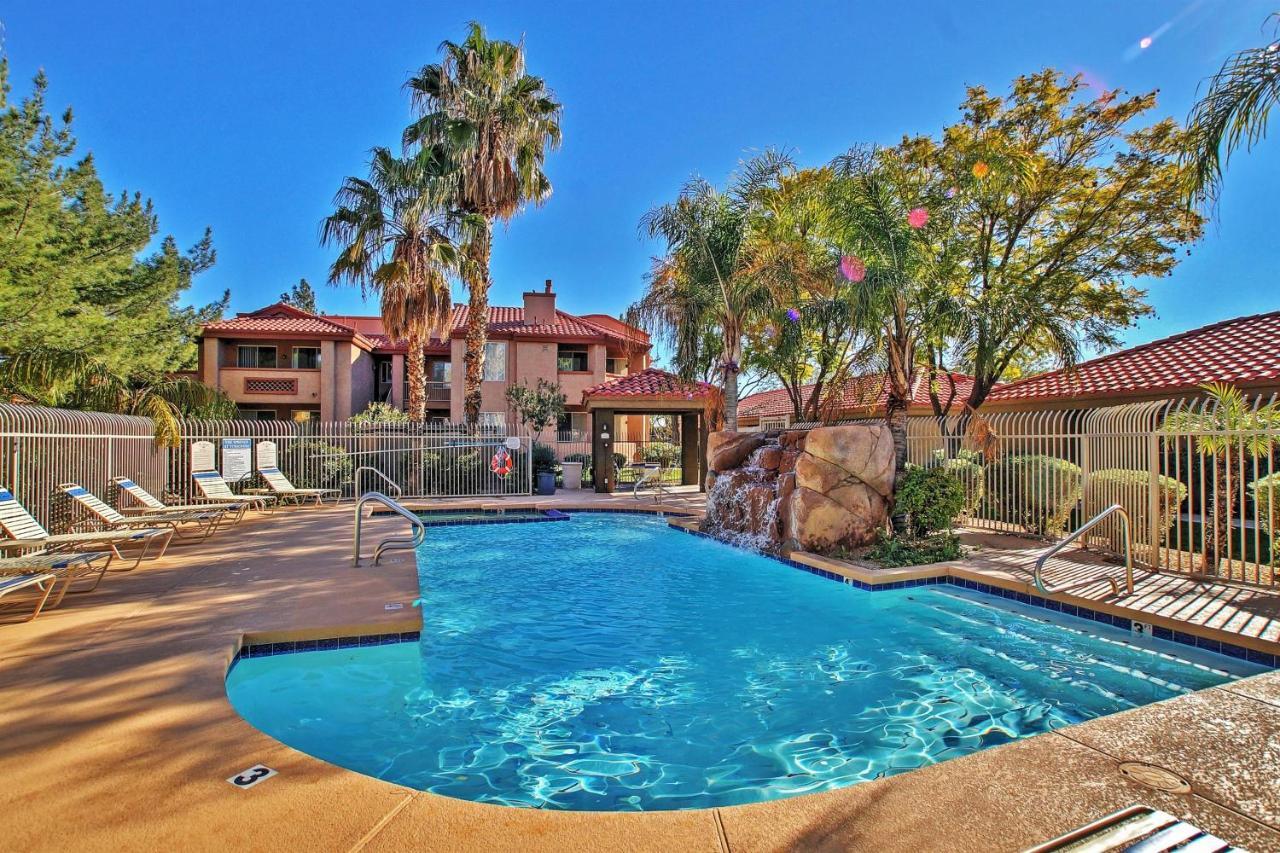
[(115, 733)]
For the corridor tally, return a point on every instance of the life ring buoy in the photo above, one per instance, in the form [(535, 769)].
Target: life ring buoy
[(500, 464)]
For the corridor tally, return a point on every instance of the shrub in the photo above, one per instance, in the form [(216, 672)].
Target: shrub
[(1266, 499), (1129, 488), (906, 551), (332, 470), (967, 467), (931, 498), (1038, 492), (379, 413), (662, 452), (544, 458)]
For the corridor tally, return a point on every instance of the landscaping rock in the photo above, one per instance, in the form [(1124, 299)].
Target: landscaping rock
[(728, 450)]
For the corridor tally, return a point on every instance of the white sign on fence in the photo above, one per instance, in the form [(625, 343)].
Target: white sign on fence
[(202, 456), (267, 455), (237, 459)]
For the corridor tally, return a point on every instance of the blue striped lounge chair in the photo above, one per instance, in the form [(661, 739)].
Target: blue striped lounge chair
[(184, 523), (27, 534), (148, 503), (286, 491), (44, 570), (214, 490)]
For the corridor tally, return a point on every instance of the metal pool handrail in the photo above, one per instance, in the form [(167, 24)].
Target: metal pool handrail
[(1083, 529), (394, 542), (392, 483)]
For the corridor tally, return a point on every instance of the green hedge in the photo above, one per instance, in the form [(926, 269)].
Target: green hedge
[(1038, 492), (931, 498), (969, 471), (1129, 488), (1266, 497)]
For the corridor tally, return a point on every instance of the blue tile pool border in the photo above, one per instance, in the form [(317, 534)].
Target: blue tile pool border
[(324, 644)]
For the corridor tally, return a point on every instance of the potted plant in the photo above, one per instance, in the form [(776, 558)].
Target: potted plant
[(544, 469)]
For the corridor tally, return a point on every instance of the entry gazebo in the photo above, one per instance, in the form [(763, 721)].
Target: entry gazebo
[(649, 392)]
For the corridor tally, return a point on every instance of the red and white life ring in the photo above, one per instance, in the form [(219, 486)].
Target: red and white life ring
[(500, 464)]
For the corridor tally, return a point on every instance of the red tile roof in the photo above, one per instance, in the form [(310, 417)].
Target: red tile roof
[(504, 321), (653, 383), (860, 393), (1244, 351)]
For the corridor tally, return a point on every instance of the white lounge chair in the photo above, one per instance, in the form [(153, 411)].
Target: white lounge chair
[(16, 573), (43, 583), (279, 484), (182, 522), (27, 534), (148, 503), (214, 489)]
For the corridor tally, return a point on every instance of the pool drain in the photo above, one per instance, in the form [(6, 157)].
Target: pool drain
[(1153, 776)]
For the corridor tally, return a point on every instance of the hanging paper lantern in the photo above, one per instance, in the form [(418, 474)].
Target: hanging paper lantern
[(852, 268), (981, 170), (918, 217)]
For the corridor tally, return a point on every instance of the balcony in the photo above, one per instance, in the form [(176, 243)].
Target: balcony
[(438, 392)]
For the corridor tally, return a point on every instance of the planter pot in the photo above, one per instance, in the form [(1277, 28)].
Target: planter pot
[(572, 474), (546, 483)]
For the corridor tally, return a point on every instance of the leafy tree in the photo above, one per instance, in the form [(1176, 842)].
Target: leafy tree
[(483, 130), (1233, 112), (1056, 205), (702, 282), (392, 239), (1229, 429), (80, 283), (301, 295), (538, 407)]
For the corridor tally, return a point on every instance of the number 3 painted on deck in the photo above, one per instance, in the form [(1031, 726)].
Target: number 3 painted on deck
[(252, 776)]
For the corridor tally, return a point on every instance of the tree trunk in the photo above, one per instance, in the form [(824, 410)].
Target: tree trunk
[(732, 358), (417, 378), (477, 323), (895, 414)]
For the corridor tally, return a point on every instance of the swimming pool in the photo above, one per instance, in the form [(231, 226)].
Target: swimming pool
[(611, 663)]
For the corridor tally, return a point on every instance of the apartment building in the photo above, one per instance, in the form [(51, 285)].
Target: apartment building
[(280, 362)]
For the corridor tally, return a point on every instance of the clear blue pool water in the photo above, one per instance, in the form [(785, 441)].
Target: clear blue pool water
[(610, 663)]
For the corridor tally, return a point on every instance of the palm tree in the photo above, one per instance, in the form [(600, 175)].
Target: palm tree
[(487, 124), (393, 241), (701, 282), (1228, 428), (871, 208), (1234, 111), (74, 380)]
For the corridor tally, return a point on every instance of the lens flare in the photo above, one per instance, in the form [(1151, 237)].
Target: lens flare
[(918, 217), (852, 268), (981, 170)]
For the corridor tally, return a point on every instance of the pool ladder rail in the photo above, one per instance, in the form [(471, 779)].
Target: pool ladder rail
[(391, 543), (1114, 509)]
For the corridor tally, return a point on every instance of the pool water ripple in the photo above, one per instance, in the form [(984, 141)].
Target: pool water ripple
[(610, 663)]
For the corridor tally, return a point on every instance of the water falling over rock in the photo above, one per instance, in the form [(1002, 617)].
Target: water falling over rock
[(814, 490)]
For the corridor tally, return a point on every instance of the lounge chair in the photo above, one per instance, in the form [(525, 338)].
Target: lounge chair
[(279, 484), (184, 523), (214, 490), (150, 503), (43, 583), (16, 573), (28, 535)]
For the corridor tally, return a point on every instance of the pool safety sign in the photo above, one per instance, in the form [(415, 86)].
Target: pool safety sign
[(237, 459), (246, 779), (202, 456)]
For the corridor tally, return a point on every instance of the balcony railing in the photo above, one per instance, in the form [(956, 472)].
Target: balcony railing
[(438, 392)]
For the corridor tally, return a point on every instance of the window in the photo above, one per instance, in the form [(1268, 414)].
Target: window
[(384, 372), (616, 366), (572, 422), (495, 361), (493, 420), (256, 414), (306, 358), (572, 359), (255, 356), (441, 371), (769, 424)]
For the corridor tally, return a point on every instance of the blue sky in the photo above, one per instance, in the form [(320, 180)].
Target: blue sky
[(245, 116)]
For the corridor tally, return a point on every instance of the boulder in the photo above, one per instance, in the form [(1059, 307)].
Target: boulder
[(768, 458), (818, 523), (728, 450), (864, 450)]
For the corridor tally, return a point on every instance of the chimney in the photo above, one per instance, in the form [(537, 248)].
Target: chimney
[(540, 308)]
